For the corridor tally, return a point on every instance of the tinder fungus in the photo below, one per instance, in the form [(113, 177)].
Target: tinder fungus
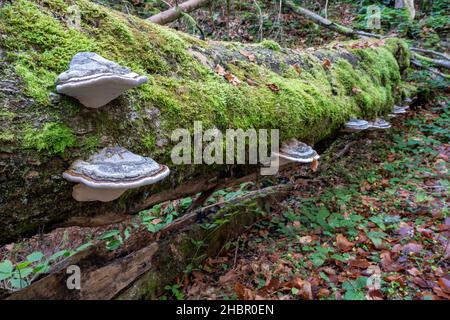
[(106, 175), (95, 81)]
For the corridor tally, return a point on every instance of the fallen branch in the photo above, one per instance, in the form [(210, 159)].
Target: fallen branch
[(436, 72), (176, 12), (328, 23), (437, 62), (432, 52)]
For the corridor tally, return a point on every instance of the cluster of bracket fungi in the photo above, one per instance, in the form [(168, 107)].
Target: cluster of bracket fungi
[(106, 175), (95, 81)]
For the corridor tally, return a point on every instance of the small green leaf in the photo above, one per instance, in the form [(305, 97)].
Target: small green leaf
[(35, 256), (6, 266), (109, 234), (23, 265)]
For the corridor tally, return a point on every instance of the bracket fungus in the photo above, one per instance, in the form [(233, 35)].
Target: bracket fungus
[(106, 175), (379, 124), (398, 110), (95, 81), (356, 125), (296, 151)]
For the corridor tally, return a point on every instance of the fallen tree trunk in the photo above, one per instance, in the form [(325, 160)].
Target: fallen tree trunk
[(176, 12), (144, 266), (307, 95)]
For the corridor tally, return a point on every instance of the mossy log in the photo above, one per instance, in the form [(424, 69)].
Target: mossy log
[(42, 132), (144, 266)]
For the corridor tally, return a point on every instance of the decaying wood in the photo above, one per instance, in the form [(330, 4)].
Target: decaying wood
[(128, 271)]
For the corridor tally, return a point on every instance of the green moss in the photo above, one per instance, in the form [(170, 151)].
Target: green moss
[(270, 44), (148, 141), (53, 139), (6, 136), (91, 143)]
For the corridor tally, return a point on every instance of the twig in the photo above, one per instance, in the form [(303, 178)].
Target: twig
[(261, 21), (421, 65), (236, 252)]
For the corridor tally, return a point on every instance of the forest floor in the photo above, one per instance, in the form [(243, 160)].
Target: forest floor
[(374, 224)]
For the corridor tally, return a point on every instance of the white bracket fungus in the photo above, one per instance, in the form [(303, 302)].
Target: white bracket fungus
[(106, 175), (95, 81)]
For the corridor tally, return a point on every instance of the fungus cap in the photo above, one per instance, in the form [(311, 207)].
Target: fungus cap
[(95, 81), (296, 151), (399, 110), (380, 124), (106, 175), (354, 125)]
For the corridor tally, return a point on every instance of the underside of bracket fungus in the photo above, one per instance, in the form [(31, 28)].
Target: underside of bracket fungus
[(296, 151), (95, 81), (106, 175), (355, 125), (379, 124)]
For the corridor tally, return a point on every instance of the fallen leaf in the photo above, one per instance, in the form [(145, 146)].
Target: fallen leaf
[(420, 282), (228, 277), (323, 293), (220, 70), (156, 221), (305, 239), (356, 90), (250, 82), (343, 244), (232, 79), (327, 63), (250, 56), (412, 248), (414, 272), (360, 263), (445, 284), (297, 68), (273, 87), (314, 165)]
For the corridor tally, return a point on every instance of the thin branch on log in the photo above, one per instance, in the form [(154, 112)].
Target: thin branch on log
[(328, 23), (432, 52), (436, 72), (176, 12), (437, 62)]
